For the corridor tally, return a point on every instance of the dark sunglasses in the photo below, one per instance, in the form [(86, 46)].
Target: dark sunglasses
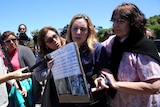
[(51, 39), (22, 29), (9, 40)]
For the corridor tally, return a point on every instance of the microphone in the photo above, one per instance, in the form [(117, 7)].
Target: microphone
[(45, 59)]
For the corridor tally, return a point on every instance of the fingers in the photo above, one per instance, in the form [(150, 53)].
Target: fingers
[(22, 69), (26, 75), (96, 89), (100, 84), (23, 91), (50, 64)]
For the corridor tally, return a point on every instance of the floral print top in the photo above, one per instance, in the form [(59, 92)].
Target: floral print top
[(135, 67)]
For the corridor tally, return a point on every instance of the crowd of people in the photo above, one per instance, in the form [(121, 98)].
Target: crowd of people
[(121, 71)]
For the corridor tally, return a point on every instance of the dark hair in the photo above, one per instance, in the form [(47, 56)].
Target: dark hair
[(6, 34), (132, 13), (21, 25)]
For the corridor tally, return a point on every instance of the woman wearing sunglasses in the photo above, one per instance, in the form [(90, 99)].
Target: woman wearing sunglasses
[(48, 40), (19, 56)]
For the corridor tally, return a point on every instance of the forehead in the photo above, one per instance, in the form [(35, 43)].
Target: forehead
[(10, 36), (80, 22), (22, 26), (50, 33)]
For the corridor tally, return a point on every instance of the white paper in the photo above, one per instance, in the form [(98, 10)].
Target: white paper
[(65, 62)]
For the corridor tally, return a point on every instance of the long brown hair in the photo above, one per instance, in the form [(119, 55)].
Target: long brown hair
[(41, 35)]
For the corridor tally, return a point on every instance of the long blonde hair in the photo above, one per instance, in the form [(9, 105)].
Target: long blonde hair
[(91, 39)]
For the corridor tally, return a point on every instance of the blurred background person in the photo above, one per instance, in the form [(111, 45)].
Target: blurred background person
[(23, 38), (149, 34)]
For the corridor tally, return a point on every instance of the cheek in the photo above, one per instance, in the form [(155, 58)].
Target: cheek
[(52, 46), (126, 29), (85, 36)]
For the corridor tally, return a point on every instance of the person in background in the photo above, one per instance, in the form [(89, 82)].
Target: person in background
[(93, 55), (20, 56), (48, 40), (149, 34), (134, 68), (4, 77), (23, 38), (107, 34)]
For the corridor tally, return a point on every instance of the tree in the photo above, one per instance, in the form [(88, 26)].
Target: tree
[(153, 23)]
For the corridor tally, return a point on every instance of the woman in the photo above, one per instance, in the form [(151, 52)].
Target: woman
[(93, 55), (133, 70), (23, 38), (19, 56), (48, 40)]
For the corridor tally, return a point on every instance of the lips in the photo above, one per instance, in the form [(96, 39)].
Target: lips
[(77, 38), (57, 45)]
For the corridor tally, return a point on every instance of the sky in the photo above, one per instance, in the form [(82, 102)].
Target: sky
[(36, 14)]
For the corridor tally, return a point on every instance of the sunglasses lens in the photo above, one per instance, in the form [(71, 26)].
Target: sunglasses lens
[(22, 28), (9, 40), (50, 40)]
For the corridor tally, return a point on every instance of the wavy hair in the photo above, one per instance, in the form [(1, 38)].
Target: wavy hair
[(135, 17)]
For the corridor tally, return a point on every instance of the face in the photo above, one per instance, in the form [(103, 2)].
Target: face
[(79, 31), (11, 43), (22, 28), (121, 26), (52, 40)]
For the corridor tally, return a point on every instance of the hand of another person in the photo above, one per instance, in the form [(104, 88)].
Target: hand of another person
[(23, 91), (19, 75), (50, 64)]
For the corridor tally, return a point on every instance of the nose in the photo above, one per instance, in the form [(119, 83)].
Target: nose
[(11, 41), (54, 40), (78, 31)]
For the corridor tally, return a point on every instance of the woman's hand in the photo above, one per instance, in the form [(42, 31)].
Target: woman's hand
[(100, 84), (50, 64), (23, 91), (110, 77)]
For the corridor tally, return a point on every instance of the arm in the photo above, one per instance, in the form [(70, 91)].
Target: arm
[(144, 88), (148, 77), (15, 75), (147, 87)]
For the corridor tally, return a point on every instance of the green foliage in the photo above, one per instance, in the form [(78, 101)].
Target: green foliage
[(153, 23), (30, 44), (100, 34), (34, 32)]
